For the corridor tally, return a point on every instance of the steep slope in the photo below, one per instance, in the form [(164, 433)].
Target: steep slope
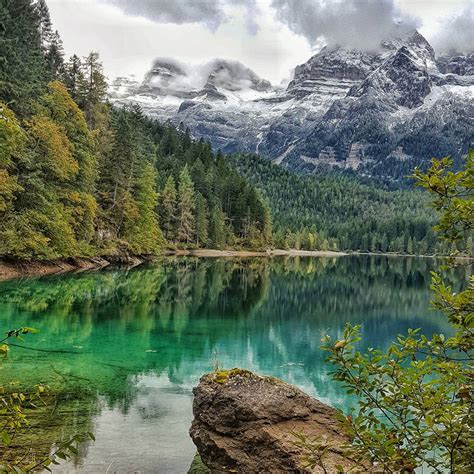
[(371, 113)]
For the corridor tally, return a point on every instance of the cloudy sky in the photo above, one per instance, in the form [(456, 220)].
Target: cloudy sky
[(269, 36)]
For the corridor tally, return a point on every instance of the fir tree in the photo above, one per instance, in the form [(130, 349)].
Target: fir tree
[(94, 88), (45, 25), (218, 227), (23, 75), (143, 232), (168, 209), (74, 79), (202, 221), (186, 206), (55, 57)]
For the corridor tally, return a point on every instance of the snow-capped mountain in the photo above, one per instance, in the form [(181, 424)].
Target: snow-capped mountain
[(375, 113)]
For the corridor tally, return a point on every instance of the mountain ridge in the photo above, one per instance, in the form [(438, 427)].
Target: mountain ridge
[(369, 113)]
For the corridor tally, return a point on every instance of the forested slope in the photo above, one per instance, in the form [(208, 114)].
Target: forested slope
[(329, 211)]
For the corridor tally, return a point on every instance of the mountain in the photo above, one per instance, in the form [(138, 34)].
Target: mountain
[(376, 114)]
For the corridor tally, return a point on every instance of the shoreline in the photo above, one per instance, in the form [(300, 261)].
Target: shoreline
[(254, 253), (12, 269)]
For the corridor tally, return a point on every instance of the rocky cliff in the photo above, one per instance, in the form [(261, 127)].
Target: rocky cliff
[(247, 423)]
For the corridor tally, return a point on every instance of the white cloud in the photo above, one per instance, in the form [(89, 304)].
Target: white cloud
[(128, 44), (250, 31), (456, 33), (361, 24), (208, 12)]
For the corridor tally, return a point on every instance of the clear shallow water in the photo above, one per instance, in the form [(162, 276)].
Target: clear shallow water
[(131, 344)]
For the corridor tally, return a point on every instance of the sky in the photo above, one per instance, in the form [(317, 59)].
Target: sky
[(269, 36)]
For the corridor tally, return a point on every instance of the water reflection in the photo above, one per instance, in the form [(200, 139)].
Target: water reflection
[(130, 344)]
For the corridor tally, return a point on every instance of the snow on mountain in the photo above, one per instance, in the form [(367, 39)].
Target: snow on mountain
[(373, 113)]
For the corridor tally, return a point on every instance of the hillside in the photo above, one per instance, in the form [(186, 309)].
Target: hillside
[(341, 210)]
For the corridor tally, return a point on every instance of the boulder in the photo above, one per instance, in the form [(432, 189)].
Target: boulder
[(247, 423)]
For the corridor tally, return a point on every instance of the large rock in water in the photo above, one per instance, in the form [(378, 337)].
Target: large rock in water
[(246, 423)]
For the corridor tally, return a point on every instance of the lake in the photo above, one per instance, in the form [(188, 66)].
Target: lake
[(121, 349)]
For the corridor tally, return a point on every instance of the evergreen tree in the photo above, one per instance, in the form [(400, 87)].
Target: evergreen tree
[(186, 206), (168, 209), (218, 227), (94, 88), (267, 232), (117, 172), (74, 79), (55, 57), (45, 25), (143, 232), (23, 74), (202, 221)]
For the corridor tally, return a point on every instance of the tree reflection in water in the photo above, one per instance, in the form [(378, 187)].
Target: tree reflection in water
[(122, 330)]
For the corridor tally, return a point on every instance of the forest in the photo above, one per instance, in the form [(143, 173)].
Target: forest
[(332, 211), (81, 178)]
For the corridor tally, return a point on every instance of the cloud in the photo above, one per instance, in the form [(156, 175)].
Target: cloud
[(211, 13), (169, 74), (361, 24), (456, 33)]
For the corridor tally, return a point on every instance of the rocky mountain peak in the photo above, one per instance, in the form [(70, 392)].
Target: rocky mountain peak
[(344, 68), (401, 80), (163, 74), (234, 76), (414, 41), (338, 65)]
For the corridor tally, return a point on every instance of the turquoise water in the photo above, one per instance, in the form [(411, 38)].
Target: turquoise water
[(124, 348)]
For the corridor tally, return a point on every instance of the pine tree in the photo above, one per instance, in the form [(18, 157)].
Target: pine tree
[(116, 174), (267, 226), (218, 227), (202, 221), (168, 209), (93, 90), (186, 195), (55, 57), (45, 25), (142, 230), (23, 74), (74, 79)]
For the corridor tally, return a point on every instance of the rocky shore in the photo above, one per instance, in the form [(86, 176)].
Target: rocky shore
[(10, 269)]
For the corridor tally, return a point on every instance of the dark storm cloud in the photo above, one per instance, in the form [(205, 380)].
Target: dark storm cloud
[(456, 33), (355, 23), (208, 12)]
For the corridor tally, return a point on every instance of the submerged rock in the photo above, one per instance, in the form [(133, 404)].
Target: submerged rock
[(198, 467), (247, 423)]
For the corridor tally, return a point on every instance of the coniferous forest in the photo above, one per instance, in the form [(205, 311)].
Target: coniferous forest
[(79, 177), (339, 212)]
